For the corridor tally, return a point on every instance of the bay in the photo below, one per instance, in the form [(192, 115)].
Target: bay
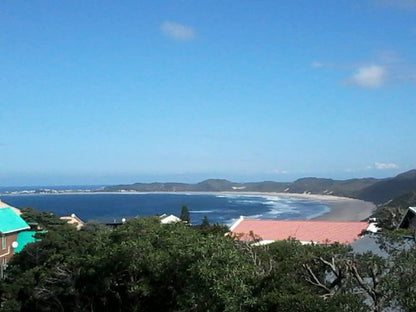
[(219, 208)]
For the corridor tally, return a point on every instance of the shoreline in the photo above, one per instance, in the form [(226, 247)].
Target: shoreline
[(347, 210), (340, 208)]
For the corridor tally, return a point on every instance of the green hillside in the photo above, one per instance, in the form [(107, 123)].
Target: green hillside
[(369, 189), (385, 190)]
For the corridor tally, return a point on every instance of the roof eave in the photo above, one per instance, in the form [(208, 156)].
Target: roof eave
[(236, 223), (16, 230)]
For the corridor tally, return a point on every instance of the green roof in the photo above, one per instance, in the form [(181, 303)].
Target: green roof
[(11, 222), (24, 238)]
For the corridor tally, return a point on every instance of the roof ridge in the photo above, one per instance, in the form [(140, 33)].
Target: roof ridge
[(321, 221)]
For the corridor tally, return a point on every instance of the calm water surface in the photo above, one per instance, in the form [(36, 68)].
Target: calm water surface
[(224, 208)]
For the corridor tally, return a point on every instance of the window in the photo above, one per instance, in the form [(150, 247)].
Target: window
[(3, 242)]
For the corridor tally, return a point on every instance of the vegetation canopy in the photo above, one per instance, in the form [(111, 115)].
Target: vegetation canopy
[(144, 265)]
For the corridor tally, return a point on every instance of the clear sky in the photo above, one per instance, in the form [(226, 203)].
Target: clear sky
[(102, 92)]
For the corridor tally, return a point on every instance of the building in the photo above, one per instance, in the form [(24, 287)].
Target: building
[(74, 220), (24, 238), (165, 219), (409, 219), (11, 224), (305, 231), (5, 205), (115, 224)]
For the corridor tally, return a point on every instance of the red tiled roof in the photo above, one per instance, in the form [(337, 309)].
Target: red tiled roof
[(305, 231)]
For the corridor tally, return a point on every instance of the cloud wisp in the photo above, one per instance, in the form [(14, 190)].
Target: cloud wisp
[(386, 68), (370, 76), (383, 166), (278, 171), (178, 31), (317, 64)]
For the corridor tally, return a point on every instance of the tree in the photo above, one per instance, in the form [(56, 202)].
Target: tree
[(44, 275), (185, 214), (205, 222), (44, 219), (405, 284), (287, 286), (141, 266), (144, 265)]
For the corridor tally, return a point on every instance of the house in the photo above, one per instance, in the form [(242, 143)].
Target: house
[(73, 219), (115, 223), (11, 224), (306, 231), (24, 238), (165, 219), (409, 219)]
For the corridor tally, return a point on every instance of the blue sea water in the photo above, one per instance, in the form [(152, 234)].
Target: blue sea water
[(219, 208)]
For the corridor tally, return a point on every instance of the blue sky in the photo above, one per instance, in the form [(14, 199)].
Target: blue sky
[(102, 92)]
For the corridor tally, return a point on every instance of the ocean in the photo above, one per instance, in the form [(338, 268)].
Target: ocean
[(219, 208)]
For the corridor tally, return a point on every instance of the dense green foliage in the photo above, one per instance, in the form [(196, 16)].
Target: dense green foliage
[(147, 266), (43, 219)]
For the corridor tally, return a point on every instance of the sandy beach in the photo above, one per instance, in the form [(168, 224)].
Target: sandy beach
[(342, 208), (347, 209)]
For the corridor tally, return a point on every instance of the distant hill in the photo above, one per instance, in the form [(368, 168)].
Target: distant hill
[(305, 185), (210, 185), (266, 186), (405, 200), (149, 187), (347, 188), (215, 185), (378, 191), (388, 189)]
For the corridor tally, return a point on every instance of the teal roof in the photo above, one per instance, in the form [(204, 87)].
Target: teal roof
[(24, 238), (11, 222)]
